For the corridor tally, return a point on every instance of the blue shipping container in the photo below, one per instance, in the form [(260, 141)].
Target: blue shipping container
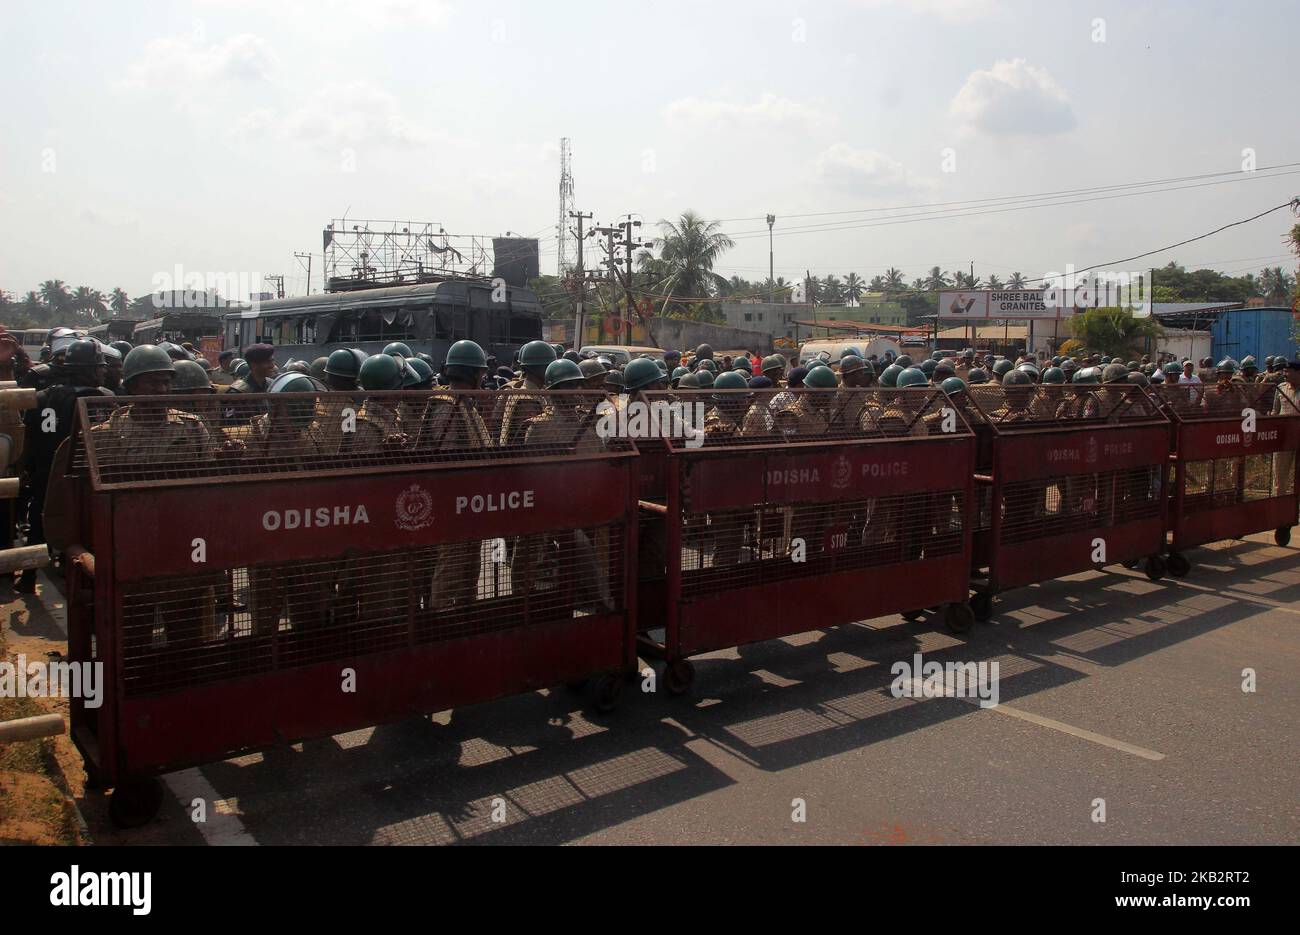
[(1254, 331)]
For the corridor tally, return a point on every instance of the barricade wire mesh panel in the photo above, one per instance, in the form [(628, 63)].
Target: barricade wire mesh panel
[(1021, 407), (1193, 402), (709, 419), (135, 440), (179, 632), (1223, 482), (1038, 509), (745, 548)]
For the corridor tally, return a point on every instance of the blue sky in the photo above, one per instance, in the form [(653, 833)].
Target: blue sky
[(223, 135)]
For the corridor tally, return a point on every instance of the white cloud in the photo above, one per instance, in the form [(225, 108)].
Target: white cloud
[(865, 171), (768, 111), (1013, 98), (355, 113), (341, 20), (950, 11), (175, 60)]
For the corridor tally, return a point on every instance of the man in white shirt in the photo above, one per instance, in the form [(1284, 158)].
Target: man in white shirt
[(1189, 374)]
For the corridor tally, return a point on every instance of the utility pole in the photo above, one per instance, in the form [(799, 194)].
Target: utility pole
[(306, 256), (277, 281), (580, 319), (771, 260)]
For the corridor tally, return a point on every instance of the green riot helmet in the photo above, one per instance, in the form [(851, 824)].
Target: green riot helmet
[(704, 378), (662, 365), (1247, 363), (1268, 363), (641, 373), (563, 374), (467, 354), (852, 363), (1114, 373), (536, 354), (614, 380), (1017, 378), (1053, 375), (730, 381), (1002, 368), (84, 352), (147, 358), (775, 362), (1089, 375), (423, 374), (381, 372), (679, 372), (239, 368), (318, 367), (821, 377), (905, 361), (1030, 371), (937, 356), (1138, 378), (1131, 365), (293, 382), (342, 364), (298, 366), (398, 349), (742, 363), (191, 378), (708, 364), (559, 350), (1172, 369), (927, 367), (703, 352), (889, 376), (976, 376), (591, 367), (691, 381), (1227, 365), (953, 385), (1056, 361), (913, 376)]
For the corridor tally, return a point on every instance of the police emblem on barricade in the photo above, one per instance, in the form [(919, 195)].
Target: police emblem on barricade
[(414, 508), (841, 472), (1092, 450)]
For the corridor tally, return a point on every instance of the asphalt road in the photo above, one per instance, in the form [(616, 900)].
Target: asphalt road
[(1112, 688)]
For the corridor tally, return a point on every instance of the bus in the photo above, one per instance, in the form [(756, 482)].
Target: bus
[(428, 317)]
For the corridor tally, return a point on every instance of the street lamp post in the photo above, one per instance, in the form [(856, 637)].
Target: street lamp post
[(771, 261)]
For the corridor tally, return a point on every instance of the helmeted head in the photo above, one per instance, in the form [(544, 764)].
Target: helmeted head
[(1115, 373), (419, 375), (889, 376), (147, 371), (564, 374), (465, 365), (535, 357), (382, 372), (643, 374), (821, 377), (912, 377), (1053, 376), (976, 376), (1002, 368), (341, 369), (190, 377), (953, 386)]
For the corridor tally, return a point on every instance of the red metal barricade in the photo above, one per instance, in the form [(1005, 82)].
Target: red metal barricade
[(312, 564), (809, 508), (1234, 464), (1076, 480)]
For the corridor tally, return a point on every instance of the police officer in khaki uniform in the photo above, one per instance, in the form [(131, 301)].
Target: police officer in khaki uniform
[(378, 424), (518, 407)]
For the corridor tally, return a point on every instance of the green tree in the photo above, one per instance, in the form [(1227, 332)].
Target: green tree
[(995, 283), (688, 250), (833, 289), (88, 303), (119, 301), (854, 286), (1017, 281), (894, 279), (1115, 332), (937, 279), (56, 296)]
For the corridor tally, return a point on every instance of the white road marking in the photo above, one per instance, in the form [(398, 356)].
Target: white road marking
[(222, 828)]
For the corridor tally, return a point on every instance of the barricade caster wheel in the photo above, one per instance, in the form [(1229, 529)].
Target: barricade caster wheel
[(959, 617), (1154, 568), (911, 616), (135, 802), (1178, 565), (605, 690), (679, 676), (981, 604), (1282, 535)]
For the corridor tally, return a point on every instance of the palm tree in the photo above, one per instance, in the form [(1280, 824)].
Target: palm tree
[(834, 289), (854, 286), (877, 284), (995, 283), (88, 302), (1017, 281), (1116, 332), (936, 279), (120, 301), (1275, 283), (687, 251), (31, 306), (56, 296), (894, 279)]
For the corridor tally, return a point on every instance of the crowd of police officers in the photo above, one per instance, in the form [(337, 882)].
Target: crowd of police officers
[(74, 366)]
